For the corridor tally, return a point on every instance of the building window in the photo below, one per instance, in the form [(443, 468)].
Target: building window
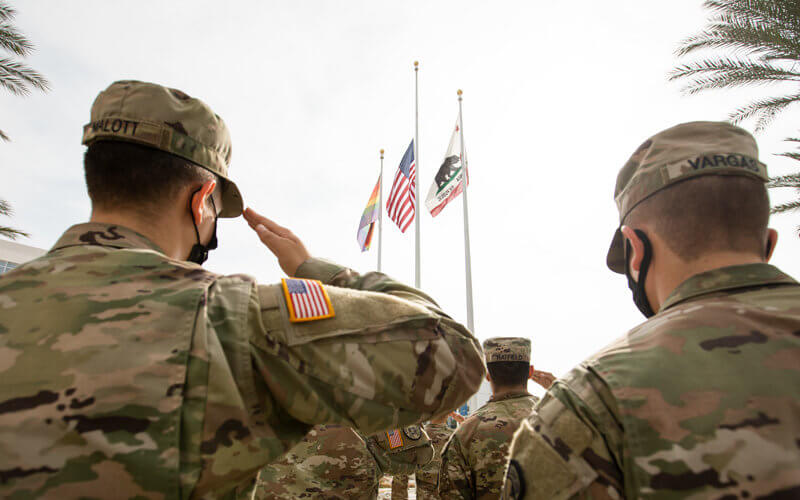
[(6, 266)]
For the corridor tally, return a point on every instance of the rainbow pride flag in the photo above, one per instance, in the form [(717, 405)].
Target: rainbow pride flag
[(368, 218)]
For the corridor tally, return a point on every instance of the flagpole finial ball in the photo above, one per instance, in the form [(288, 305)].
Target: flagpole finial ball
[(459, 92), (416, 64), (381, 151)]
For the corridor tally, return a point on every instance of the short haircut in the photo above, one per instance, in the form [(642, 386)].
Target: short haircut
[(128, 176), (509, 373), (708, 214)]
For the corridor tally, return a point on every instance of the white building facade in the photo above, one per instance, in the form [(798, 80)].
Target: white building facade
[(13, 254)]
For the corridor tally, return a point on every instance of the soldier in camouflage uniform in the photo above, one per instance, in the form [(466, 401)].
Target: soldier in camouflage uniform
[(334, 461), (703, 399), (427, 476), (128, 370), (474, 459)]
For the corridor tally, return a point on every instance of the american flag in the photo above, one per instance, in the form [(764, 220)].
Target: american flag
[(395, 439), (307, 300), (401, 203)]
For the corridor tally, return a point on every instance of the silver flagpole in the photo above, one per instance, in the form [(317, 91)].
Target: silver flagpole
[(467, 256), (416, 159), (380, 214)]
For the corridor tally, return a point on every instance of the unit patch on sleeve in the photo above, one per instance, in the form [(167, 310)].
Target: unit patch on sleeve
[(395, 439), (412, 432), (307, 300)]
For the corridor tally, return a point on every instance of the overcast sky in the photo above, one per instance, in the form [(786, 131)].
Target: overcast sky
[(557, 95)]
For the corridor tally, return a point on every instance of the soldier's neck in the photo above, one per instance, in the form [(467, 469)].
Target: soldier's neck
[(167, 232), (501, 392), (668, 274)]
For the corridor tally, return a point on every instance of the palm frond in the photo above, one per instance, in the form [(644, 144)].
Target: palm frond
[(15, 77), (11, 233), (791, 155), (765, 117), (785, 207), (780, 15), (764, 109), (5, 208), (726, 72), (14, 41), (6, 12), (785, 15), (784, 181), (18, 78), (743, 36), (795, 155)]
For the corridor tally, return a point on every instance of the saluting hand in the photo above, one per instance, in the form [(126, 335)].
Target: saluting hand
[(287, 247), (545, 379)]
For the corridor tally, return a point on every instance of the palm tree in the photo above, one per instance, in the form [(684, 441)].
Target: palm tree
[(18, 79), (15, 76), (762, 41)]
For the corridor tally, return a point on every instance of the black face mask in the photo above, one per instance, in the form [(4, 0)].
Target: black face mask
[(637, 287), (199, 252)]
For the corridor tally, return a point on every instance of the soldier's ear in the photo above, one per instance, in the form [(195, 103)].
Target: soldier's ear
[(530, 372), (634, 250), (199, 200), (772, 240)]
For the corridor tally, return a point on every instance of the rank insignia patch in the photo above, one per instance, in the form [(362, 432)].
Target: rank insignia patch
[(395, 439), (307, 300)]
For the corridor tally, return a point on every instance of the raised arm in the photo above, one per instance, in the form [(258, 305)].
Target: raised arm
[(388, 356)]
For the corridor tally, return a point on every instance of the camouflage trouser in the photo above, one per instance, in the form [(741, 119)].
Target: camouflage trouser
[(400, 487)]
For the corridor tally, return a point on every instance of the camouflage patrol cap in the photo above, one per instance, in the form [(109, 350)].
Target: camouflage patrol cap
[(169, 120), (499, 349), (680, 153)]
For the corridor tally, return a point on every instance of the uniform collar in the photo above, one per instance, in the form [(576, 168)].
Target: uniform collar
[(727, 278), (509, 395), (104, 235)]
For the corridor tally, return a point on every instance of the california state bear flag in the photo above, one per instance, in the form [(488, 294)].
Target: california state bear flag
[(447, 184)]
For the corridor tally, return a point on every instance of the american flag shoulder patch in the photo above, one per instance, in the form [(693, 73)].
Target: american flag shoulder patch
[(306, 300), (395, 439)]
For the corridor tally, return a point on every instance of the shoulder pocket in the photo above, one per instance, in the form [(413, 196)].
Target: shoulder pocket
[(543, 470), (367, 314)]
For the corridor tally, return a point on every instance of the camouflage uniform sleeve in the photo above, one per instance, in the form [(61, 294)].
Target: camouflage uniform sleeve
[(571, 447), (389, 358), (336, 275), (413, 449), (455, 476)]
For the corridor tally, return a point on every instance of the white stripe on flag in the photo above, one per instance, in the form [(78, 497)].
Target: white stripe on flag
[(300, 310), (317, 298), (312, 306), (307, 305)]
